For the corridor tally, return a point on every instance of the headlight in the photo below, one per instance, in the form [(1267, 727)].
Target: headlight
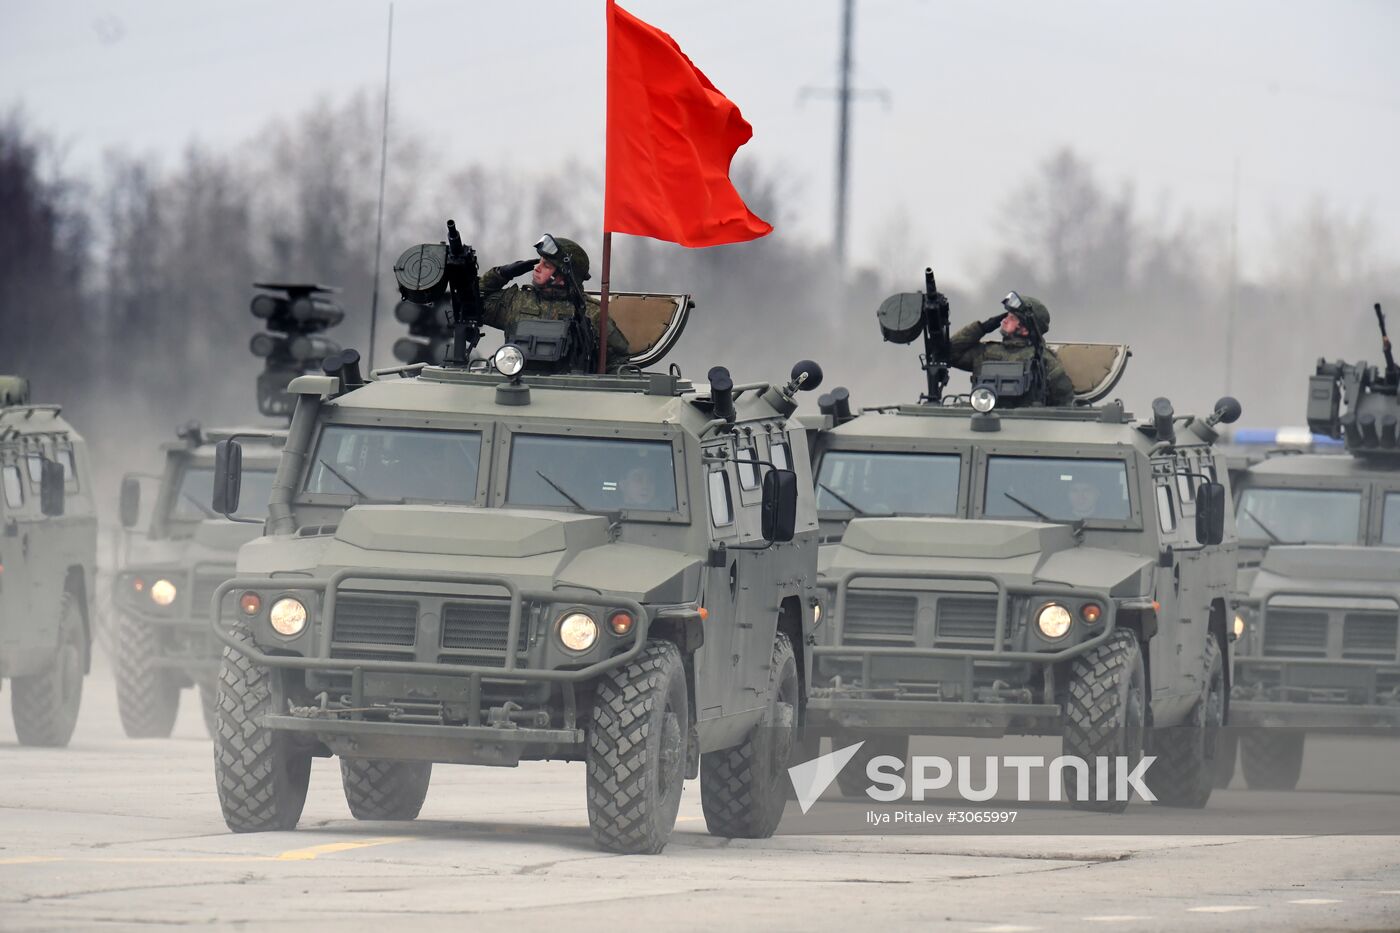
[(1239, 625), (816, 614), (578, 631), (983, 399), (162, 592), (288, 616), (509, 360), (1053, 620)]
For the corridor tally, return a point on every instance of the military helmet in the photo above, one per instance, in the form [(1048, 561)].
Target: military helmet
[(1021, 305), (549, 247)]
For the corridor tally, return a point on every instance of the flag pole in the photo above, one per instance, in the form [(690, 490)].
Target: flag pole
[(603, 304)]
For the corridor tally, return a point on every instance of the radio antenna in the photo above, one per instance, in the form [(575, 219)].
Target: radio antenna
[(383, 165)]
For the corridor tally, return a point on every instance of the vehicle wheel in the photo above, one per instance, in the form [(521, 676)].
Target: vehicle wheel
[(1184, 773), (147, 696), (743, 789), (1227, 751), (45, 706), (853, 779), (1105, 714), (385, 790), (260, 775), (636, 751), (1271, 760), (209, 704)]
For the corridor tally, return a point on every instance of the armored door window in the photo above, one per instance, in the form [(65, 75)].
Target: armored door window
[(395, 464), (35, 461), (1166, 511), (1299, 516), (747, 455), (595, 473), (885, 483), (14, 489), (1390, 519), (779, 454), (721, 505), (70, 469), (1060, 489)]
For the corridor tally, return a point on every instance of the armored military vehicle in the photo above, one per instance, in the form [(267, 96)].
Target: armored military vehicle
[(184, 549), (1318, 622), (48, 559), (507, 561), (991, 570)]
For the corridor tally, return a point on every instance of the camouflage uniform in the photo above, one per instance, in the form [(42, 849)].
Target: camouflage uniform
[(505, 306), (969, 353)]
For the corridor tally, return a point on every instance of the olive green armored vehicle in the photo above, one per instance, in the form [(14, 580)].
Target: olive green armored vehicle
[(990, 570), (508, 561), (48, 560), (171, 562), (1318, 622)]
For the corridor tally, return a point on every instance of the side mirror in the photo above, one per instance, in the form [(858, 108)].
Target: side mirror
[(228, 476), (129, 506), (779, 505), (1210, 513), (50, 487)]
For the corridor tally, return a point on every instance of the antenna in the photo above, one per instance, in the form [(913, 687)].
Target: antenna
[(383, 164)]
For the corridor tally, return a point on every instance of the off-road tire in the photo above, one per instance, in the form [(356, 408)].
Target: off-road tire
[(1227, 752), (1184, 773), (260, 775), (208, 691), (1105, 712), (853, 779), (385, 790), (1271, 760), (45, 705), (636, 751), (743, 789), (148, 697)]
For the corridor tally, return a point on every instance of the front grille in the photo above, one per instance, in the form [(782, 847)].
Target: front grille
[(967, 620), (375, 620), (880, 618), (480, 626), (1369, 636), (1291, 633), (202, 595)]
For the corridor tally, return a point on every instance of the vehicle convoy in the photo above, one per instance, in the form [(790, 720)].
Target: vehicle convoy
[(1318, 622), (48, 561), (169, 569), (992, 569), (501, 561)]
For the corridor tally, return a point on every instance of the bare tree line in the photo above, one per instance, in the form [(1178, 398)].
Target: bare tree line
[(125, 295)]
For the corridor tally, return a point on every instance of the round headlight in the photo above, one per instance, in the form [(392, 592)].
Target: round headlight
[(578, 631), (288, 616), (162, 592), (1239, 625), (1053, 620), (509, 360), (983, 399)]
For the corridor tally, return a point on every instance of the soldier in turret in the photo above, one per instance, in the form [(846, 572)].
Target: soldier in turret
[(1023, 324)]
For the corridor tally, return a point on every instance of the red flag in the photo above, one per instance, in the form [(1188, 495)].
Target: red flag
[(671, 137)]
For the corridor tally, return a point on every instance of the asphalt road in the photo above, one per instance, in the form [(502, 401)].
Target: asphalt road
[(115, 833)]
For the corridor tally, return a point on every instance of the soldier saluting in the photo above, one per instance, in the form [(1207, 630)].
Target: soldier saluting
[(550, 296), (1023, 324)]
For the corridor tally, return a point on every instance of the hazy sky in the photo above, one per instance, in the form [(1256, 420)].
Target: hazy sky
[(1303, 96)]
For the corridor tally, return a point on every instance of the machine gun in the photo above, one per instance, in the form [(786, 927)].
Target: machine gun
[(295, 316), (904, 316), (430, 272), (1392, 372)]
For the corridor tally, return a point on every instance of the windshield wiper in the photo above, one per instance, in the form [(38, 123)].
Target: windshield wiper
[(1032, 509), (1265, 528), (562, 491), (208, 512), (851, 505), (338, 475)]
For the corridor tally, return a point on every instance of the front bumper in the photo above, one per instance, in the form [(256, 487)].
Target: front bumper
[(1319, 716), (476, 732)]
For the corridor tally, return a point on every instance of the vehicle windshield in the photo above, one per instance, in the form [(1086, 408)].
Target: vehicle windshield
[(595, 474), (1057, 490), (194, 500), (1299, 516), (879, 483), (1390, 519), (378, 464)]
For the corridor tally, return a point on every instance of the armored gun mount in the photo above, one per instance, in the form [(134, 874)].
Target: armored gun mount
[(1355, 403), (296, 317)]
